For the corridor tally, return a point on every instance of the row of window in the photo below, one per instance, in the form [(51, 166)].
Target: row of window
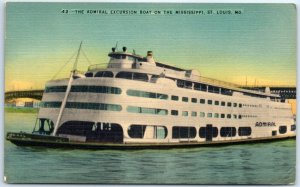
[(249, 116), (209, 102), (134, 109), (106, 89), (121, 75), (259, 106), (79, 105), (142, 110), (94, 132), (178, 132), (203, 87), (180, 83), (138, 93), (209, 115), (214, 89), (100, 74), (112, 132), (92, 89), (281, 108), (247, 105)]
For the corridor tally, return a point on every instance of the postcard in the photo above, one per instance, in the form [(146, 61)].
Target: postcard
[(150, 93)]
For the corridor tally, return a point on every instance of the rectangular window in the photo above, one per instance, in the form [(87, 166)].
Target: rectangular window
[(55, 89), (147, 110), (194, 100), (293, 127), (234, 116), (92, 89), (209, 115), (174, 98), (183, 132), (201, 87), (94, 106), (216, 102), (240, 105), (213, 89), (138, 93), (229, 104), (209, 102), (216, 115), (228, 131), (240, 116), (222, 103), (185, 113), (185, 99), (225, 91), (228, 116), (244, 131), (234, 104), (134, 109), (136, 131), (208, 132), (222, 115), (161, 111), (52, 104), (174, 112), (202, 101), (202, 114), (194, 114), (180, 83)]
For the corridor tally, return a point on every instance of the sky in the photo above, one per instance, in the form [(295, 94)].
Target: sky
[(257, 46)]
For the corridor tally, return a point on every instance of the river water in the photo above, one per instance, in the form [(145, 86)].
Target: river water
[(264, 163)]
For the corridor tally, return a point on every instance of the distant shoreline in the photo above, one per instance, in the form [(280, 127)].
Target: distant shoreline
[(20, 110)]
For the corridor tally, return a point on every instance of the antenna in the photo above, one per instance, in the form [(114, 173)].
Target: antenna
[(77, 57), (116, 46), (64, 101)]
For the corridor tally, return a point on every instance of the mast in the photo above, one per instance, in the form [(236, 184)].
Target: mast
[(63, 104), (77, 57)]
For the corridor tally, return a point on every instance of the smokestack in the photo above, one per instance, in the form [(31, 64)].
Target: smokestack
[(150, 57), (149, 53)]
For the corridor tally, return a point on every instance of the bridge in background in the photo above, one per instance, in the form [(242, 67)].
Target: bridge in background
[(33, 94), (284, 91)]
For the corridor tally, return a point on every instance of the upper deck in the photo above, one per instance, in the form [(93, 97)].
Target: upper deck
[(191, 79)]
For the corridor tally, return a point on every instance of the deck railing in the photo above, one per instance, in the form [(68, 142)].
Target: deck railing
[(97, 66), (218, 82), (201, 78), (192, 78)]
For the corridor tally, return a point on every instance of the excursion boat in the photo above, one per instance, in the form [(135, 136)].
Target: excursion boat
[(135, 102)]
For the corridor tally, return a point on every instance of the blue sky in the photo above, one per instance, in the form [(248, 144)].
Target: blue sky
[(259, 44)]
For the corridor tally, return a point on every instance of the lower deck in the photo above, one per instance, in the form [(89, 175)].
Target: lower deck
[(26, 139), (105, 132)]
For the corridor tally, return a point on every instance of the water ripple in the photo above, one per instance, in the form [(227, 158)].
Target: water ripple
[(265, 163)]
